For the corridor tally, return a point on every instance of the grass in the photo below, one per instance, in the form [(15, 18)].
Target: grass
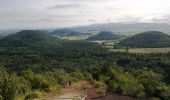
[(143, 50)]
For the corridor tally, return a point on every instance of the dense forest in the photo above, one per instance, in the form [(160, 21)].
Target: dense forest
[(32, 60)]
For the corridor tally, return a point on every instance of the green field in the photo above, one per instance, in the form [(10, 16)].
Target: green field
[(143, 50)]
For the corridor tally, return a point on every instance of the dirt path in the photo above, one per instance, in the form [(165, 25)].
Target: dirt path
[(71, 93), (85, 91), (68, 94)]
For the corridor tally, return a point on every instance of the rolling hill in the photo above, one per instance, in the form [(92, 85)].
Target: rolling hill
[(27, 38), (105, 35), (149, 39), (41, 42)]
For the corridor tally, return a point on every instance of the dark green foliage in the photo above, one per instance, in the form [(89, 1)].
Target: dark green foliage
[(150, 39), (105, 35)]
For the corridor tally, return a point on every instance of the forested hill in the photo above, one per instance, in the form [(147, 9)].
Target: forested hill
[(105, 35), (149, 39), (39, 41), (28, 38)]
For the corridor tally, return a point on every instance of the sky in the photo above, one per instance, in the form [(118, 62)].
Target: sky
[(35, 14)]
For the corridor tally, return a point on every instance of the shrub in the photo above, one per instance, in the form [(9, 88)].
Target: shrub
[(150, 80), (113, 86), (100, 87), (38, 82), (164, 91), (34, 95), (125, 83), (24, 86), (8, 85)]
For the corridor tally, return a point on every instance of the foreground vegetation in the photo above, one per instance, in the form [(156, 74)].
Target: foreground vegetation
[(30, 67)]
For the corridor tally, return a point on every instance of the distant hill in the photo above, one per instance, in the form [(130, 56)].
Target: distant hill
[(65, 32), (124, 28), (105, 35), (41, 41), (149, 39), (28, 38)]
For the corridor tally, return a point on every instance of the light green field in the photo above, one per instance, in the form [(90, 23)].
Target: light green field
[(143, 50)]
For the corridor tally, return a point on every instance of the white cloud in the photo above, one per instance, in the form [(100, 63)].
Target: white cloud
[(36, 13)]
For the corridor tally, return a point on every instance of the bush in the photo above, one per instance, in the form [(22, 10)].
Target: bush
[(37, 81), (101, 91), (8, 85), (24, 86), (164, 91), (34, 95), (150, 80), (61, 76), (113, 86), (100, 88), (125, 83)]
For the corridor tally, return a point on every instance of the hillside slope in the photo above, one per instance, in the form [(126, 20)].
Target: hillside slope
[(28, 38), (149, 39)]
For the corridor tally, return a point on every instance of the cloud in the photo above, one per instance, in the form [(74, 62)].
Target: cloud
[(64, 6), (63, 13), (161, 19)]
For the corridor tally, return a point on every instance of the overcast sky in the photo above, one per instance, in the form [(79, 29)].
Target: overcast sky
[(65, 13)]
